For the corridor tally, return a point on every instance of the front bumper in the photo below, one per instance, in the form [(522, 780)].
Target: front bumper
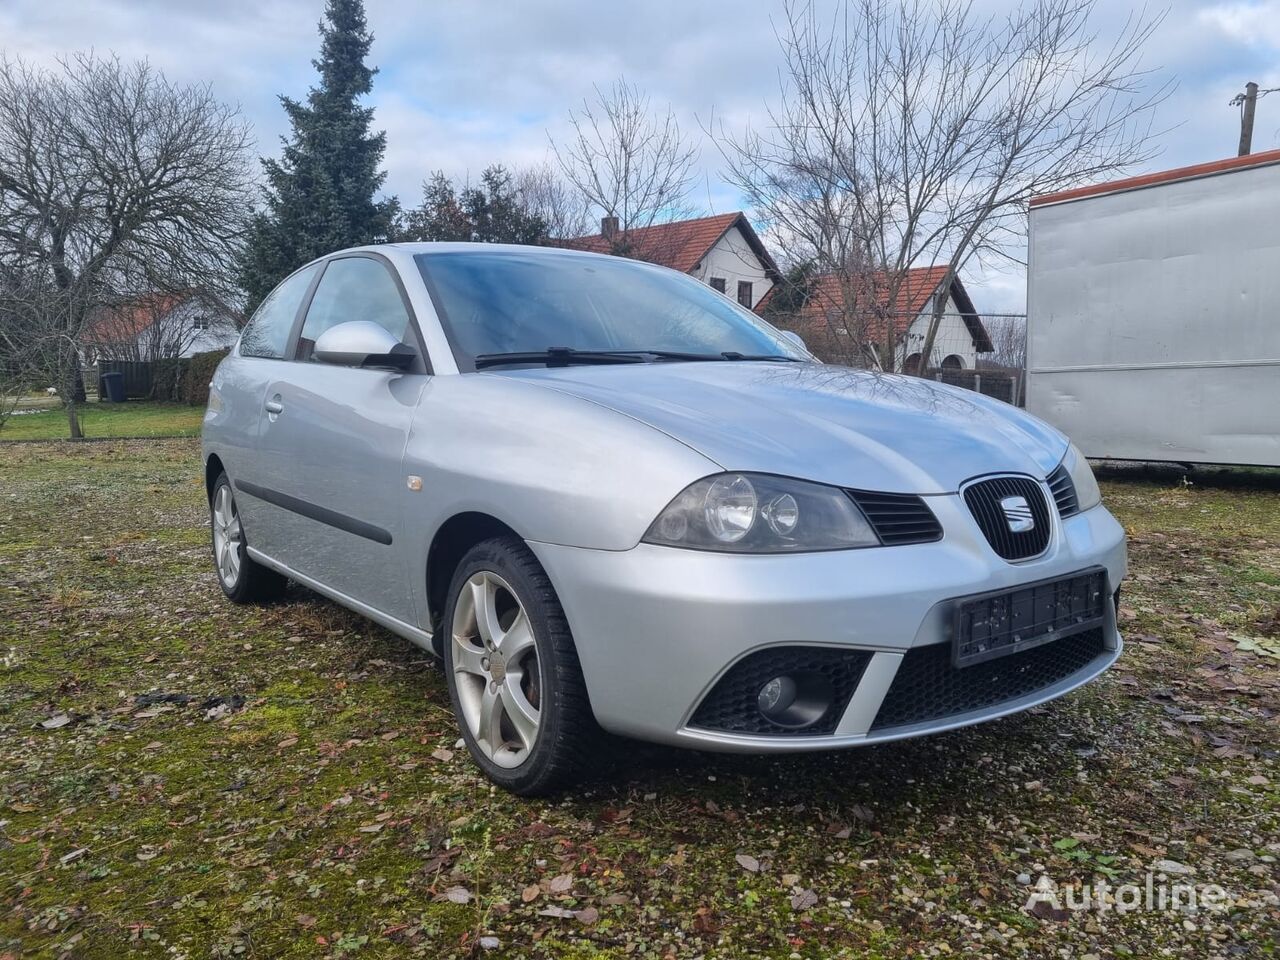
[(656, 626)]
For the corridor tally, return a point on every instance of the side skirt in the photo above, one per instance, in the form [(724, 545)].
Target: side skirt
[(411, 633)]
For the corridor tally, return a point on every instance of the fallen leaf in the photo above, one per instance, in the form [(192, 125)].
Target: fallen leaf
[(804, 900), (443, 755), (56, 722), (748, 863), (588, 916), (530, 893), (559, 912), (458, 895), (561, 884), (1047, 911)]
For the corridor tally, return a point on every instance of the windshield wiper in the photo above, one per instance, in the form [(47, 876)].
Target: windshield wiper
[(564, 356), (724, 355), (734, 355), (558, 357)]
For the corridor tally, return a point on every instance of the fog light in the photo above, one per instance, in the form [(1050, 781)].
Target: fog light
[(795, 701), (776, 695)]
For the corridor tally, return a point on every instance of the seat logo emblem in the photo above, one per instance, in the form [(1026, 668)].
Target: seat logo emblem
[(1017, 514)]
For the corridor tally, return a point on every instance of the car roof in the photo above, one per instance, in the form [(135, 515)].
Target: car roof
[(486, 248)]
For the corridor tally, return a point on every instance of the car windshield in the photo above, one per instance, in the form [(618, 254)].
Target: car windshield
[(494, 303)]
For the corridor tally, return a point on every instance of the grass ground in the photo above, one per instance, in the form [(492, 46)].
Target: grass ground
[(183, 778), (132, 419)]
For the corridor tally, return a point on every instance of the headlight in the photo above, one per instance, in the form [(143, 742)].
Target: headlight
[(1087, 493), (757, 513)]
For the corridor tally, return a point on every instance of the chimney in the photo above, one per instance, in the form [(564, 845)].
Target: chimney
[(609, 228)]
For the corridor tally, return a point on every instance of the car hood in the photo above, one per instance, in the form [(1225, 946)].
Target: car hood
[(852, 428)]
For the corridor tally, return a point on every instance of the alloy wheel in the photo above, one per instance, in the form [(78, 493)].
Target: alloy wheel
[(227, 536), (495, 662)]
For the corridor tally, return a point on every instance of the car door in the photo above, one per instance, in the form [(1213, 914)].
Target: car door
[(332, 444), (239, 389)]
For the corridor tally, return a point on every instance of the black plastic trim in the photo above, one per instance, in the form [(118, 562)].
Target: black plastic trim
[(1064, 492), (1052, 625), (983, 496), (898, 518), (320, 514), (731, 704)]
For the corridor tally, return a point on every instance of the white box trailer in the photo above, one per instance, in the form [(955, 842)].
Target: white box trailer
[(1153, 314)]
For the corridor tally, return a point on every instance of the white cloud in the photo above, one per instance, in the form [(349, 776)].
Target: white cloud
[(1251, 24), (463, 85)]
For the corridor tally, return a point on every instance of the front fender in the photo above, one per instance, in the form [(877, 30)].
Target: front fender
[(554, 468)]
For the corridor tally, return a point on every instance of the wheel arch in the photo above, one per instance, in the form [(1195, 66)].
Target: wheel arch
[(212, 468), (450, 544)]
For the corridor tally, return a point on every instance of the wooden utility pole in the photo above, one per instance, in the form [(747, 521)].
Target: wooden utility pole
[(1250, 103)]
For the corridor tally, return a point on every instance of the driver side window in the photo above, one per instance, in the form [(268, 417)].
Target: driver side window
[(354, 288)]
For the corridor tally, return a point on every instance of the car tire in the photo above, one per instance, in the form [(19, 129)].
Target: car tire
[(497, 669), (241, 578)]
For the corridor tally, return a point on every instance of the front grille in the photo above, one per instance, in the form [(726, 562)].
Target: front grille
[(898, 518), (731, 705), (928, 687), (984, 500), (1064, 492)]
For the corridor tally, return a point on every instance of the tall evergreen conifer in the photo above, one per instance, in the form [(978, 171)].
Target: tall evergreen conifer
[(320, 196)]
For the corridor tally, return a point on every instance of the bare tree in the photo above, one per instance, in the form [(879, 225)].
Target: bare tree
[(913, 132), (14, 362), (110, 173), (1009, 342), (630, 164), (157, 324), (545, 193)]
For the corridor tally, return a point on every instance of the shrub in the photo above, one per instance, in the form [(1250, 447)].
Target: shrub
[(196, 377), (167, 378)]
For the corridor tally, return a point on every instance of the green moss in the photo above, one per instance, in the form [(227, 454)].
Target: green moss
[(313, 807)]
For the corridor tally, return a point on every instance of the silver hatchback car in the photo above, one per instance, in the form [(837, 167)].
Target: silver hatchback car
[(611, 499)]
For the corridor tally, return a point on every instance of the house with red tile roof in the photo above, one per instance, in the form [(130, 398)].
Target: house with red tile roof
[(857, 320), (159, 325), (723, 252)]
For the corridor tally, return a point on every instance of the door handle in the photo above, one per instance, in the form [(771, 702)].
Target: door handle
[(275, 407)]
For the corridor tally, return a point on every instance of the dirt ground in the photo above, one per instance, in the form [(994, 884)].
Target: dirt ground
[(180, 777)]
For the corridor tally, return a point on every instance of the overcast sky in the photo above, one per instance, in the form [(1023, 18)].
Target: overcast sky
[(462, 85)]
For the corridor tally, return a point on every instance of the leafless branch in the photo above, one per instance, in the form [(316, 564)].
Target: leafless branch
[(628, 162), (110, 174), (913, 132)]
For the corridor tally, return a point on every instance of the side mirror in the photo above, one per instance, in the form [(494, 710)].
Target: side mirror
[(361, 343), (796, 339)]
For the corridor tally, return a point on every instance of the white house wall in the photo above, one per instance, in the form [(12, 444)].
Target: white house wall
[(220, 335), (953, 338), (733, 259)]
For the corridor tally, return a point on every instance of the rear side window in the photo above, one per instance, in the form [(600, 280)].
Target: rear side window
[(267, 334), (354, 288)]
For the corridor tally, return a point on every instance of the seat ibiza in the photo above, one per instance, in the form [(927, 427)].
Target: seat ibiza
[(611, 499)]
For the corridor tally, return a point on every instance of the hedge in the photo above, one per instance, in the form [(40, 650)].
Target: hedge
[(197, 372)]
